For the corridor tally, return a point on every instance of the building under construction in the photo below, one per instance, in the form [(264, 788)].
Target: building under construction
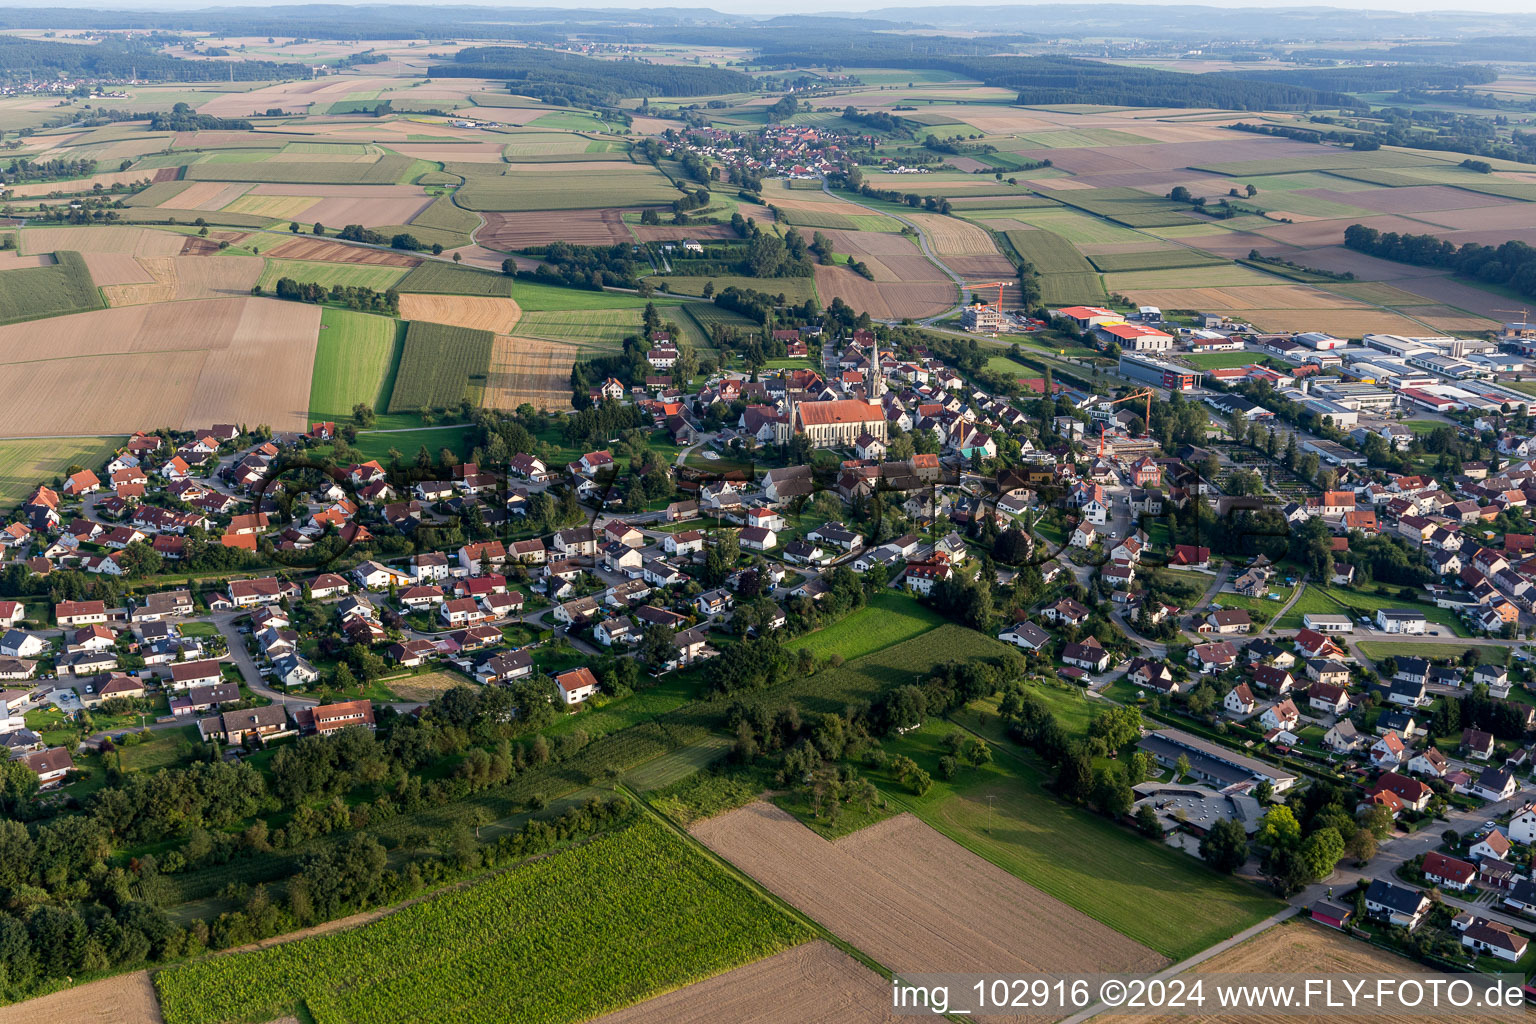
[(985, 318)]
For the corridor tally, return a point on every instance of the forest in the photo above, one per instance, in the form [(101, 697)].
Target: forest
[(1374, 78), (1045, 79), (1512, 263), (581, 81), (114, 60)]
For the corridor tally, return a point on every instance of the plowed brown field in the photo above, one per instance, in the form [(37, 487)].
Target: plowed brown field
[(177, 364), (816, 983), (529, 370), (508, 231), (334, 252), (478, 312), (915, 900)]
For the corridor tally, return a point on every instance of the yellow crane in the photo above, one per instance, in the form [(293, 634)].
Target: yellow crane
[(1145, 393)]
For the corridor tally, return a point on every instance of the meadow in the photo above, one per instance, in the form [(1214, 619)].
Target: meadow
[(34, 292), (582, 931), (890, 618), (438, 366), (600, 327), (26, 463), (795, 289), (1003, 811), (354, 362)]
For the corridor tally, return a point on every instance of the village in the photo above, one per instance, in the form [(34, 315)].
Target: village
[(1096, 522)]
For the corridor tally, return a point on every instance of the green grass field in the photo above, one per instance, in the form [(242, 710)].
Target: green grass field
[(26, 463), (534, 297), (549, 188), (354, 360), (795, 289), (1161, 259), (387, 170), (1050, 252), (439, 278), (1333, 601), (443, 216), (1217, 360), (889, 619), (438, 366), (597, 327), (375, 444), (35, 292), (1003, 812), (328, 274), (565, 938), (1377, 649)]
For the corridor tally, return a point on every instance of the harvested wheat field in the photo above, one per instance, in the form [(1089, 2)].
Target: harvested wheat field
[(11, 259), (676, 232), (179, 365), (186, 277), (1343, 323), (100, 238), (477, 312), (322, 251), (299, 95), (466, 152), (109, 268), (206, 195), (1273, 296), (529, 370), (888, 300), (107, 180), (1449, 318), (816, 983), (124, 999), (508, 231), (954, 237), (917, 901), (1304, 949)]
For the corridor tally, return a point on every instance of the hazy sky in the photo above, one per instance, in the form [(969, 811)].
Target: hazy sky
[(760, 8)]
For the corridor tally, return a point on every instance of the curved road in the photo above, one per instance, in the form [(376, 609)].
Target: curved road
[(922, 243)]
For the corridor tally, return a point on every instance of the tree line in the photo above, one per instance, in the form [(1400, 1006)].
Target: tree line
[(1511, 263)]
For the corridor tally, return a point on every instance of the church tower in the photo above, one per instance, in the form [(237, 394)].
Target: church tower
[(874, 379)]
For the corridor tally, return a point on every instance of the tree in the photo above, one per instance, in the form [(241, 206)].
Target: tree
[(1147, 823), (656, 645), (1379, 820), (1116, 725), (1361, 846), (1074, 775), (1322, 850), (1279, 829), (1225, 846), (1180, 768), (18, 785)]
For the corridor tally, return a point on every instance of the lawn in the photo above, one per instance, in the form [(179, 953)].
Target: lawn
[(1377, 649), (375, 444), (1217, 360), (160, 751), (354, 363), (888, 619), (1141, 888), (1341, 597), (26, 463), (345, 274)]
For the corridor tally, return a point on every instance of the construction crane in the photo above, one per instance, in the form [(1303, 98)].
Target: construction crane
[(999, 285), (1525, 314), (1145, 393)]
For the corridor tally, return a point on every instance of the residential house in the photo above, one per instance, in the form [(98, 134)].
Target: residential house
[(576, 685)]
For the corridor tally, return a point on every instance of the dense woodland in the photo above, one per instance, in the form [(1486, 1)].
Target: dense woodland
[(581, 81), (114, 60)]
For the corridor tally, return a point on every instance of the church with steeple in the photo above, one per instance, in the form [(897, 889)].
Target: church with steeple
[(841, 422)]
